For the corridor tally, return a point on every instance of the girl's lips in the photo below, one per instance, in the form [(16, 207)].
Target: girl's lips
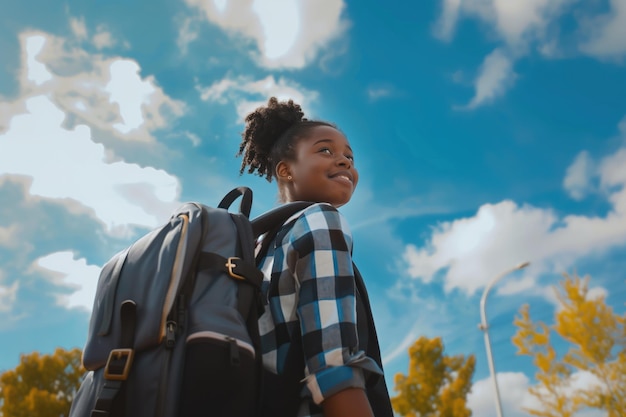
[(343, 176)]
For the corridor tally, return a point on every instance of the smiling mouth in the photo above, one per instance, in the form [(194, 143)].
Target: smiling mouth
[(344, 178)]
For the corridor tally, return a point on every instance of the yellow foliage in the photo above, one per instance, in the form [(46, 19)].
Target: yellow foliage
[(436, 385), (41, 385), (597, 346)]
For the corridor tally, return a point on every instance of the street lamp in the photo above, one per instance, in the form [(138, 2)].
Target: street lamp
[(485, 328)]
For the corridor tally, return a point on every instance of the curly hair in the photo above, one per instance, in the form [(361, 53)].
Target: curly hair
[(271, 134)]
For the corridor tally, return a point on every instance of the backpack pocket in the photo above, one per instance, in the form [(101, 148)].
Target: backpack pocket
[(220, 376)]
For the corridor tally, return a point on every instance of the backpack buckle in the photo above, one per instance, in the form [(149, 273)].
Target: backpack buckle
[(231, 265), (116, 371)]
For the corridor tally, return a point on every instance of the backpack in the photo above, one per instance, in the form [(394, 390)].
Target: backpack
[(173, 331)]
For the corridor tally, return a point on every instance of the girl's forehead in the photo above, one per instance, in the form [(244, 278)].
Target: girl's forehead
[(326, 134)]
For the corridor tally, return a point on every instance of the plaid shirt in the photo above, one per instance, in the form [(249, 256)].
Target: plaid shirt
[(310, 288)]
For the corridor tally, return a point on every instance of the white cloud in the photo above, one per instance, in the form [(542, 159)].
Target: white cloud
[(377, 93), (193, 138), (281, 22), (514, 395), (102, 38), (288, 34), (521, 21), (61, 87), (76, 274), (584, 380), (119, 193), (187, 33), (513, 388), (597, 292), (9, 236), (78, 27), (612, 172), (129, 100), (607, 33), (519, 25), (475, 249), (249, 94), (8, 296), (7, 110), (107, 93), (524, 283), (36, 71), (496, 75), (218, 90), (469, 252), (577, 181), (516, 22), (444, 28)]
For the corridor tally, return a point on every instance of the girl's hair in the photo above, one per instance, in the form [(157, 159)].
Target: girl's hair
[(271, 134)]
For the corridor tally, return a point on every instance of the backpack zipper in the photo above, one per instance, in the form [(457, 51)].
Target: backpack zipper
[(170, 341)]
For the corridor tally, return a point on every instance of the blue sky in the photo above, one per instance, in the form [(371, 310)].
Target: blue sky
[(486, 132)]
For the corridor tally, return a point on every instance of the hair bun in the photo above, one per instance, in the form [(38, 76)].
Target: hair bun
[(264, 127), (268, 123)]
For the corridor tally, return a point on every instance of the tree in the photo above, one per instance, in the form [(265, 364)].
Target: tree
[(436, 385), (41, 385), (596, 339)]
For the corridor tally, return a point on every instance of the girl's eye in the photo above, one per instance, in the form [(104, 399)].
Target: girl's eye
[(350, 157), (325, 150)]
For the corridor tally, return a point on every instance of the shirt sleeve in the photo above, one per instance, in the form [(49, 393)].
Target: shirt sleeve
[(321, 262)]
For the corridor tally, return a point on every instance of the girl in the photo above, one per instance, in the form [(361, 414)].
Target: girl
[(320, 351)]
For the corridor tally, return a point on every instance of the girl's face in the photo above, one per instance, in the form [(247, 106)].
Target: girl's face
[(323, 170)]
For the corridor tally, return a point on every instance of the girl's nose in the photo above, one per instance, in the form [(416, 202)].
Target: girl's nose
[(344, 161)]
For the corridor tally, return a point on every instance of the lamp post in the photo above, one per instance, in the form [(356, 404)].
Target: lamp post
[(485, 328)]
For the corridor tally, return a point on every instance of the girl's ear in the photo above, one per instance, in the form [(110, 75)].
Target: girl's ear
[(283, 171)]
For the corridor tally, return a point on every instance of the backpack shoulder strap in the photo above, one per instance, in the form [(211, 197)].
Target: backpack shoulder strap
[(271, 222), (276, 217), (377, 391), (246, 200)]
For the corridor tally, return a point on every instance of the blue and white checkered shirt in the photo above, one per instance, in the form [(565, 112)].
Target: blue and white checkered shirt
[(310, 288)]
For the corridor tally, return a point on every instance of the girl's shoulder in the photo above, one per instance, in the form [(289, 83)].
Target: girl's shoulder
[(319, 214), (317, 217)]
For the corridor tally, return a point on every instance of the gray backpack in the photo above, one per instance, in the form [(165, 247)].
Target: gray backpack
[(173, 330)]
